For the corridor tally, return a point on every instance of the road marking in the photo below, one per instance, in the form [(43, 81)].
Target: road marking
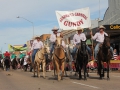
[(86, 85), (115, 76)]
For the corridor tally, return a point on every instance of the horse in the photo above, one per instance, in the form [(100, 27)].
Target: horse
[(82, 60), (14, 63), (7, 63), (40, 58), (3, 64), (59, 58), (104, 55), (21, 63), (69, 59)]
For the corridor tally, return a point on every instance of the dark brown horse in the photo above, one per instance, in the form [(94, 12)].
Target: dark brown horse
[(104, 55), (82, 60)]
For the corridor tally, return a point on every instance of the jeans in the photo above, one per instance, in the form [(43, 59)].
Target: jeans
[(75, 49), (52, 47), (97, 49), (33, 54)]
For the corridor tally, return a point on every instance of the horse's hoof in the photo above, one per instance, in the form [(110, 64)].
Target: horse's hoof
[(108, 79), (44, 77), (100, 78), (79, 78), (87, 75), (66, 75), (85, 79), (34, 76), (102, 75)]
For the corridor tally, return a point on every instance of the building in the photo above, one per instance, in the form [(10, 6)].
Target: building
[(111, 21)]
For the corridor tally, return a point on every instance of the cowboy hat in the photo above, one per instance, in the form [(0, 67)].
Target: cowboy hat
[(55, 29), (37, 36), (102, 27), (79, 28)]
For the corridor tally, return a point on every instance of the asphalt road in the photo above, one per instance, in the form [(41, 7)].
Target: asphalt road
[(20, 80)]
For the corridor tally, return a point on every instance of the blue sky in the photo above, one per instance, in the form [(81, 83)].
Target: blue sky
[(17, 31)]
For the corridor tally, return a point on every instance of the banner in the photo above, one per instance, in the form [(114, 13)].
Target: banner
[(17, 48), (72, 19)]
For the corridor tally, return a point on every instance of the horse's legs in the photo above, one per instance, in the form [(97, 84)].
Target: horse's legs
[(65, 69), (103, 69), (58, 70), (38, 70), (62, 69), (43, 67), (54, 67), (34, 67), (108, 70), (99, 69), (80, 76), (85, 72)]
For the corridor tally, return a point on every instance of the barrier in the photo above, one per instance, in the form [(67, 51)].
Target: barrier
[(114, 64)]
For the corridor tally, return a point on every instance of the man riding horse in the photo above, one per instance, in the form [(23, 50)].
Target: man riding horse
[(53, 39), (99, 37), (77, 40), (37, 44)]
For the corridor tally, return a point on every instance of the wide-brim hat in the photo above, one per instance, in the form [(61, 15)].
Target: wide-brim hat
[(55, 29), (79, 28), (37, 36), (102, 27)]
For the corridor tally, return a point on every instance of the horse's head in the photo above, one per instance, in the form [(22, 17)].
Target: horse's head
[(44, 50), (106, 42), (58, 41), (83, 47)]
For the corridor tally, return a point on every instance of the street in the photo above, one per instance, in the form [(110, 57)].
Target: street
[(20, 80)]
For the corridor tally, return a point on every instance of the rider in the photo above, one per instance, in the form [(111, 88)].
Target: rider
[(99, 37), (13, 56), (21, 55), (7, 54), (53, 39), (77, 39), (37, 44)]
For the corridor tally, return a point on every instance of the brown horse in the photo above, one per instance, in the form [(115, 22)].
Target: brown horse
[(40, 58), (104, 55), (59, 57)]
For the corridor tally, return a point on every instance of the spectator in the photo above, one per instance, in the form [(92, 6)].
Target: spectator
[(115, 54)]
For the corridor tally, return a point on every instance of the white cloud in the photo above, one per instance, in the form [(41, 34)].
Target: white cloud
[(41, 13)]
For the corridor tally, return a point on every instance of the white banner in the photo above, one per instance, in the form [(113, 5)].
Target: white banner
[(72, 19)]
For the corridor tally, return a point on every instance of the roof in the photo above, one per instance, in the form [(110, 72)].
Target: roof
[(45, 36)]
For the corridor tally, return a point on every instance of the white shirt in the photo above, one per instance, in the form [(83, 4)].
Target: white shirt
[(63, 44), (99, 37), (37, 45), (25, 60), (78, 37), (53, 37)]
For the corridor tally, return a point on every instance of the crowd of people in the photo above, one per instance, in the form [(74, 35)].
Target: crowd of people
[(15, 61)]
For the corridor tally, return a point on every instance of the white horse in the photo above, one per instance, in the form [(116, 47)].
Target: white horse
[(3, 64), (40, 58)]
